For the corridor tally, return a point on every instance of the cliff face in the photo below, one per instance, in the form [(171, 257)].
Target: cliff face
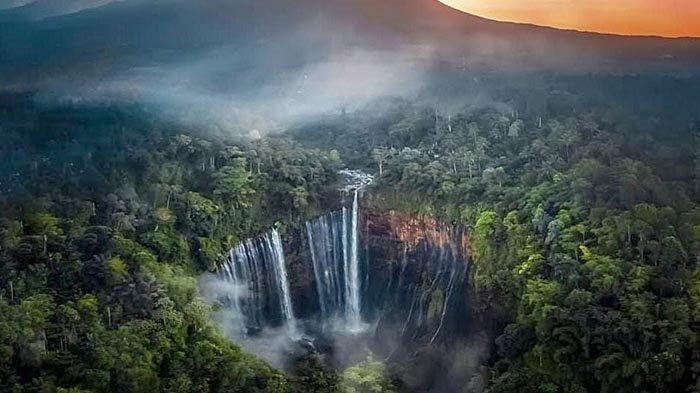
[(413, 272), (417, 269), (411, 230), (301, 274), (418, 294)]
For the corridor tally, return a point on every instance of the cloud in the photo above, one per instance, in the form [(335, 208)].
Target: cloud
[(239, 87)]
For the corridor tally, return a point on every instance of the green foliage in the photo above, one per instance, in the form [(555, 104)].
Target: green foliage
[(199, 215), (169, 246), (583, 220), (583, 223), (366, 377), (209, 253), (99, 253), (10, 233), (42, 223), (117, 268), (437, 301), (164, 216), (233, 185), (300, 197)]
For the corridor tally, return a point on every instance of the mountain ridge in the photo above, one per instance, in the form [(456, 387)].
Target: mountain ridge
[(459, 17), (125, 35), (579, 31)]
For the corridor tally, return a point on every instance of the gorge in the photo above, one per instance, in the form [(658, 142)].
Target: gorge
[(354, 284)]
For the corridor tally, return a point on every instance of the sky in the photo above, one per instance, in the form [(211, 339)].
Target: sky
[(670, 18)]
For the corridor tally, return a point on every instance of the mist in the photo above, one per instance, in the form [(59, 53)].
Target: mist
[(251, 68), (188, 92), (272, 344)]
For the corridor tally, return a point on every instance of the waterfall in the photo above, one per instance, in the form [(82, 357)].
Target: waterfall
[(282, 280), (414, 293), (333, 242), (435, 278), (353, 276), (257, 285), (327, 259), (327, 241)]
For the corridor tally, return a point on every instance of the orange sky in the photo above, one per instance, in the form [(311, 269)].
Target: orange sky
[(672, 18)]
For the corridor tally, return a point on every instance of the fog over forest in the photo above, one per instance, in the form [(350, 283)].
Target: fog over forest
[(234, 64)]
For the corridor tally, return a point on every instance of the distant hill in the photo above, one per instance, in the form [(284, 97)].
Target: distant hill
[(453, 30), (40, 9), (244, 44)]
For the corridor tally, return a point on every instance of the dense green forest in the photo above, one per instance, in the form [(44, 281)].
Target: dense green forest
[(582, 213), (107, 219), (584, 225)]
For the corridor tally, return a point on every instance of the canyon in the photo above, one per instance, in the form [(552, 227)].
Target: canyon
[(354, 284)]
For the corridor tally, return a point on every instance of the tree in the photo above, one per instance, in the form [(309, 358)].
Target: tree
[(380, 155), (300, 197), (233, 185), (495, 175), (673, 255), (468, 157), (516, 128), (198, 214), (42, 223), (565, 135)]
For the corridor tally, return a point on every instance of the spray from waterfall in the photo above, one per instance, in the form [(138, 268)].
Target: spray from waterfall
[(406, 290)]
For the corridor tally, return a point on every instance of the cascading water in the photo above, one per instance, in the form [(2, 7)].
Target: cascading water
[(328, 256), (258, 292), (282, 280), (423, 293), (333, 245), (353, 277), (333, 242)]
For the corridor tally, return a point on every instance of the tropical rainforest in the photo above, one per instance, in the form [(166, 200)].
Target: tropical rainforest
[(577, 194)]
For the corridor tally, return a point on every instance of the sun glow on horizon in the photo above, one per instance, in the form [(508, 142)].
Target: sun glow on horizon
[(669, 18)]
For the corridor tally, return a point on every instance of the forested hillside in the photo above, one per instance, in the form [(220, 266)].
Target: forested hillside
[(108, 216), (580, 206), (584, 221)]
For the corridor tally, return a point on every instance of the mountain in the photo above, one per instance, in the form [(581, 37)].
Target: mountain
[(296, 55), (114, 30), (41, 9)]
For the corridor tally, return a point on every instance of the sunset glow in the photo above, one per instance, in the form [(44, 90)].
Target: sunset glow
[(671, 18)]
